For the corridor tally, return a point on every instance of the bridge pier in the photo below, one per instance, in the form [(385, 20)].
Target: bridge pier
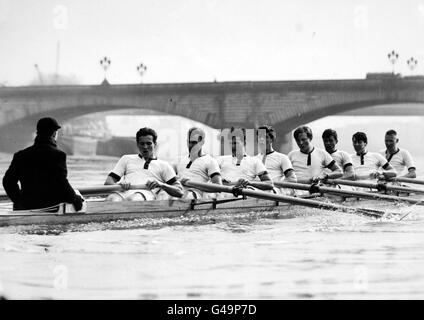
[(17, 135)]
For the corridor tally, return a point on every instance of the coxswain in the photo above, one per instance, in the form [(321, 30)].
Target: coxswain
[(41, 171)]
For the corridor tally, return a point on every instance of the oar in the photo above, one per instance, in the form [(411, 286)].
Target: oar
[(379, 186), (95, 190), (349, 193), (407, 180), (105, 189), (211, 187)]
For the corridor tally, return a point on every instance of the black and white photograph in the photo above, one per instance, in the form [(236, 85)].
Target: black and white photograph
[(211, 150)]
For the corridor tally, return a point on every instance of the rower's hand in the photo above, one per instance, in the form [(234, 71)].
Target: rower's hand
[(78, 200), (183, 181), (377, 175), (323, 177), (226, 181), (125, 185), (320, 178), (243, 183), (152, 184), (385, 176)]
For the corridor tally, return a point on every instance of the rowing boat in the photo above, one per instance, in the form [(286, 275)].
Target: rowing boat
[(257, 202), (105, 211)]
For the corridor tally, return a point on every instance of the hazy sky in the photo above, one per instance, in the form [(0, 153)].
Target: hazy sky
[(203, 40)]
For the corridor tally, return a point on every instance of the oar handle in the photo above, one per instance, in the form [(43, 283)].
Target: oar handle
[(108, 188), (257, 184), (95, 189)]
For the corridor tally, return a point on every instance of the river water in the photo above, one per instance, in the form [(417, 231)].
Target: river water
[(316, 255)]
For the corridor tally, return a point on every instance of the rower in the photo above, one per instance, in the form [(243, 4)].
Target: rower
[(367, 164), (399, 158), (198, 166), (240, 169), (277, 164), (144, 168), (309, 162), (342, 158)]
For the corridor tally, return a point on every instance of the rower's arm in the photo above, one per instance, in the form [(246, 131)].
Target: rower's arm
[(389, 171), (335, 173), (172, 187), (290, 176), (265, 184), (111, 180), (349, 173), (409, 163), (411, 173), (216, 178)]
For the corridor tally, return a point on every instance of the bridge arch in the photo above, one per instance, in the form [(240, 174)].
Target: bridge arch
[(284, 104), (285, 127), (19, 132)]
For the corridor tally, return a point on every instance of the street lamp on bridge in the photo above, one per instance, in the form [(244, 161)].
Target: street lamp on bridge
[(141, 69), (105, 64), (412, 63), (393, 57)]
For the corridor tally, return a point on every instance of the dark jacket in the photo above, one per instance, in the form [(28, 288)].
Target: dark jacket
[(42, 173)]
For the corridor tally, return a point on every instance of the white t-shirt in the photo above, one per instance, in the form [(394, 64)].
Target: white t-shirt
[(342, 158), (371, 162), (134, 169), (202, 169), (400, 160), (319, 160), (248, 168), (276, 163)]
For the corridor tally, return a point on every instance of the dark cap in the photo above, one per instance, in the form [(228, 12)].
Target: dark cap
[(47, 125)]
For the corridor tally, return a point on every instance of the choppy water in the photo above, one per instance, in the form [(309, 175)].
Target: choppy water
[(316, 255)]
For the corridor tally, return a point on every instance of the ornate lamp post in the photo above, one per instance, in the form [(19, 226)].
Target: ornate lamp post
[(141, 69), (105, 64), (412, 63), (393, 57)]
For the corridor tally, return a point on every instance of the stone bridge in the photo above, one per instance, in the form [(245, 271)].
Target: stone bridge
[(283, 104)]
